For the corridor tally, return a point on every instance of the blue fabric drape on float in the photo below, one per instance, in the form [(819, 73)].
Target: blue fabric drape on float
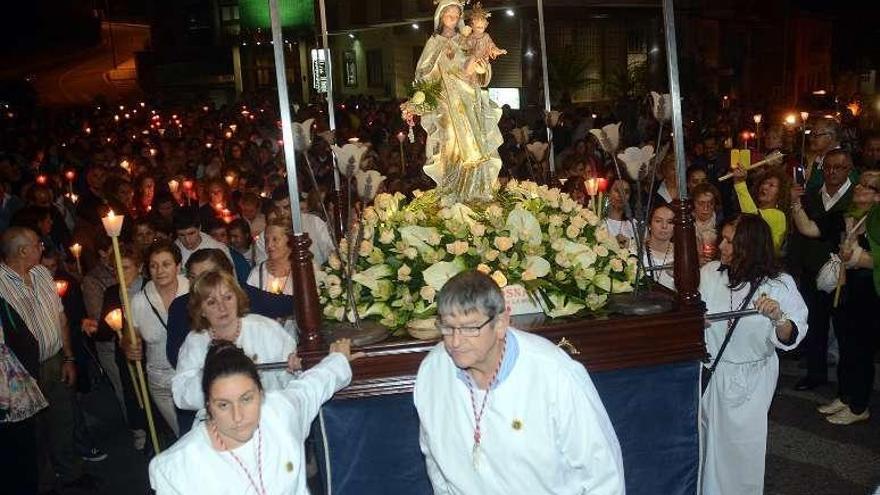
[(373, 443)]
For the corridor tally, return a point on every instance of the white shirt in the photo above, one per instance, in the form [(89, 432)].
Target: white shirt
[(207, 242), (153, 328), (665, 277), (260, 273), (544, 429), (261, 338), (621, 228), (828, 201), (192, 465)]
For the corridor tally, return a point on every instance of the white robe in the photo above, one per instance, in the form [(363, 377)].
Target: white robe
[(261, 338), (193, 466), (733, 411), (544, 429)]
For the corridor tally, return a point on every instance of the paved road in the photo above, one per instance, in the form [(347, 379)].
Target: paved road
[(87, 74), (806, 455)]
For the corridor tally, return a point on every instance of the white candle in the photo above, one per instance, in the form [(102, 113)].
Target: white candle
[(113, 223), (114, 320)]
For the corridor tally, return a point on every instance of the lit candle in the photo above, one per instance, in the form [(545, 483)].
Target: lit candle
[(275, 286), (125, 165), (233, 127), (757, 118), (76, 251), (805, 116), (116, 118), (114, 320), (205, 108), (153, 151), (72, 197), (230, 179), (70, 175), (208, 145), (592, 186), (61, 287), (173, 185), (228, 134), (228, 217), (113, 223), (41, 180), (790, 119), (88, 130), (187, 184)]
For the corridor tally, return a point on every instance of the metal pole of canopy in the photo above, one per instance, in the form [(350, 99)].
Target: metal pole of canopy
[(675, 94), (546, 75), (284, 107), (328, 64)]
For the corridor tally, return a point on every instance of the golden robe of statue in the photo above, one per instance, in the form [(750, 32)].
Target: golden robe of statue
[(463, 136)]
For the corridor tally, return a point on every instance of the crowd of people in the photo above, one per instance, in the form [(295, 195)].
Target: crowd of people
[(205, 250)]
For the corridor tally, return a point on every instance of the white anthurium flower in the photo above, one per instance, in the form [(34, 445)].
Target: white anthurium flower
[(440, 272), (661, 106), (302, 135), (634, 159), (370, 277), (537, 266), (608, 137), (521, 135), (418, 237), (461, 213), (368, 183), (538, 150), (562, 306), (348, 158), (524, 226)]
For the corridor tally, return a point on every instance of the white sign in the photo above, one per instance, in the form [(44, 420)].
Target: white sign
[(519, 302), (319, 70)]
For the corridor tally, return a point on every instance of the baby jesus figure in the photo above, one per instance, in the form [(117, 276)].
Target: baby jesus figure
[(480, 47)]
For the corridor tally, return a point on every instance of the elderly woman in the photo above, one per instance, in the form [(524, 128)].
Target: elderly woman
[(252, 440), (706, 201), (855, 321), (274, 274), (218, 311), (771, 191), (149, 309), (616, 220), (733, 412)]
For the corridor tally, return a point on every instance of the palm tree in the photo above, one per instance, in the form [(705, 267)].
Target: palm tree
[(568, 71)]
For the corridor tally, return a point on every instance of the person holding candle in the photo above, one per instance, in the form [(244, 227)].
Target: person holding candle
[(257, 430), (144, 194), (733, 411), (149, 309), (706, 199), (772, 193), (616, 220), (190, 237), (218, 311)]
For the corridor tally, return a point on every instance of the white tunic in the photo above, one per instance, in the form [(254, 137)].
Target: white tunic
[(319, 234), (733, 411), (544, 429), (263, 280), (152, 329), (193, 466), (621, 228), (261, 338), (659, 258)]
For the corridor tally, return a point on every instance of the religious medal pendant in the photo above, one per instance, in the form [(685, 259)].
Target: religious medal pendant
[(476, 455)]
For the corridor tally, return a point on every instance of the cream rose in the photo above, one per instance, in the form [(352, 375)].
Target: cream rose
[(499, 278), (428, 293), (417, 98), (483, 268), (403, 273), (503, 243)]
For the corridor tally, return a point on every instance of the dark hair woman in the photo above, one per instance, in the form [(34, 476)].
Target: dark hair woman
[(733, 412), (252, 439)]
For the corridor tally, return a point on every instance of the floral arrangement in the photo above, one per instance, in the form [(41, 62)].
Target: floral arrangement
[(423, 98), (530, 235)]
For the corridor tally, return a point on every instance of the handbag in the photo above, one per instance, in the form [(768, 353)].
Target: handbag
[(20, 396), (708, 371), (826, 279)]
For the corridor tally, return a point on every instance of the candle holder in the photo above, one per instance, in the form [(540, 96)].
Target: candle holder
[(76, 251), (114, 321), (113, 226)]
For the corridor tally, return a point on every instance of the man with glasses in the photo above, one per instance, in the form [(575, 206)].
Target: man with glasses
[(504, 411), (818, 216), (824, 137)]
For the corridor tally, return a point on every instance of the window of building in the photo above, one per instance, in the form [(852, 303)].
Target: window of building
[(375, 76), (229, 13)]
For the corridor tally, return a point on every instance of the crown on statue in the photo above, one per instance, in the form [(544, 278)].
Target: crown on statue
[(461, 3), (477, 12)]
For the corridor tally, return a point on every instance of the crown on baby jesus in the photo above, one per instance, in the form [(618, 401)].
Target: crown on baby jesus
[(477, 12)]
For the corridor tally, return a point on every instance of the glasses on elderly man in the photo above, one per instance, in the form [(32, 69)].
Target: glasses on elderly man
[(463, 331)]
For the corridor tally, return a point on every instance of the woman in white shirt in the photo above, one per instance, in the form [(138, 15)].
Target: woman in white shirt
[(733, 411), (252, 440), (616, 221), (659, 251), (218, 311), (274, 274), (149, 309)]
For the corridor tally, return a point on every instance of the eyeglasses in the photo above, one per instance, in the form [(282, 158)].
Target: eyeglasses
[(463, 331)]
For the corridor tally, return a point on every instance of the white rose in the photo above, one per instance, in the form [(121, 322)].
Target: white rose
[(491, 255), (601, 251), (403, 273), (478, 229), (334, 262), (499, 278), (528, 275), (434, 239), (418, 98), (370, 215), (428, 293), (572, 231), (365, 248), (333, 280), (616, 265), (457, 248), (410, 253), (503, 243), (339, 313), (386, 236), (483, 268), (334, 291)]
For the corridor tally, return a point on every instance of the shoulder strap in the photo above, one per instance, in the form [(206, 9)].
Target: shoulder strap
[(752, 290), (155, 311), (262, 266)]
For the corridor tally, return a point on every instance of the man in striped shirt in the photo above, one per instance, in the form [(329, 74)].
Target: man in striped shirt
[(30, 289)]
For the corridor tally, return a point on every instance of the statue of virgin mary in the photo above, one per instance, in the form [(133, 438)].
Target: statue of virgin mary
[(463, 135)]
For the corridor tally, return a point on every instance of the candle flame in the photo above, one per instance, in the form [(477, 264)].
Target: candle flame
[(114, 319)]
